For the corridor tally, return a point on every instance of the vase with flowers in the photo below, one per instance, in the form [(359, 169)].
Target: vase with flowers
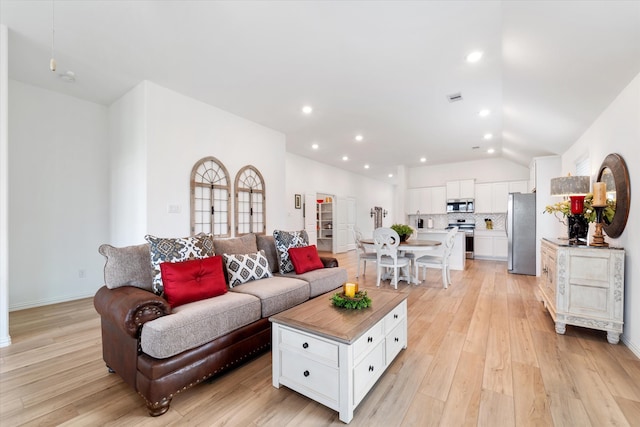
[(578, 225)]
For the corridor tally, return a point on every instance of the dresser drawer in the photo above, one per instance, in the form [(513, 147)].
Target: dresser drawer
[(310, 346), (310, 375), (395, 341), (367, 372), (369, 340), (395, 316)]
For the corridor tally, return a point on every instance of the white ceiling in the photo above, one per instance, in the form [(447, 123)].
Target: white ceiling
[(379, 68)]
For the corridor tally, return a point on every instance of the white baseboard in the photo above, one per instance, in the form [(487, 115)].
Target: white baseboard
[(635, 349), (5, 341), (47, 301)]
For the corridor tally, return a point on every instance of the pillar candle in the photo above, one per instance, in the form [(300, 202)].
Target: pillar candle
[(350, 289), (599, 194)]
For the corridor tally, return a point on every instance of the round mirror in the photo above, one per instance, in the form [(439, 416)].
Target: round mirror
[(614, 174)]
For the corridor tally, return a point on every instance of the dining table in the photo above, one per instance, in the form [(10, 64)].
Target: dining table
[(414, 246)]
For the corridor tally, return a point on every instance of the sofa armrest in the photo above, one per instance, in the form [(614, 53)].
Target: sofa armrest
[(329, 262), (129, 307)]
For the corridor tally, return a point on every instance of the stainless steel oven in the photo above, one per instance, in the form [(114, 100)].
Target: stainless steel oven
[(468, 227)]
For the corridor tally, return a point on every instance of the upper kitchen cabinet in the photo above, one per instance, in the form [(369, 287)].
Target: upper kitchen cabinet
[(493, 197), (427, 200), (519, 187), (463, 189)]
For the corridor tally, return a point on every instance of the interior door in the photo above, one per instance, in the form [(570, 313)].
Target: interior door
[(351, 222), (309, 213)]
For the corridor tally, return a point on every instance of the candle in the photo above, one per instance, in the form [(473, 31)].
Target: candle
[(350, 289), (599, 194)]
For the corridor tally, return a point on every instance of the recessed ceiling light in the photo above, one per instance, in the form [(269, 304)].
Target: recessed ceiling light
[(484, 112), (390, 175), (366, 166), (307, 109), (359, 138), (345, 158), (487, 136), (474, 56), (315, 146), (491, 151), (423, 159)]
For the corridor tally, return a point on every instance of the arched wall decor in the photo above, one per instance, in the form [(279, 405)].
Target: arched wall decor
[(250, 202), (210, 198)]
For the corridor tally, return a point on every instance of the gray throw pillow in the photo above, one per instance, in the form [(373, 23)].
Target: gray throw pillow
[(284, 241), (127, 266)]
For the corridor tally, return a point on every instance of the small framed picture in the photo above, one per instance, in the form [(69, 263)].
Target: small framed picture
[(298, 201)]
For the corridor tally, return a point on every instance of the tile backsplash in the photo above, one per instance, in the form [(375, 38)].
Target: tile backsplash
[(442, 220)]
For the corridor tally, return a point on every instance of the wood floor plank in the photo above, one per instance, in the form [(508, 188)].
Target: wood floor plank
[(487, 328)]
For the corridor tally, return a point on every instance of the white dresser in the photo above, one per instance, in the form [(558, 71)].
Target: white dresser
[(583, 286), (338, 369)]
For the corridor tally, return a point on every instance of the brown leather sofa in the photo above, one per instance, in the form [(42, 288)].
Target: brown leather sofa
[(125, 310)]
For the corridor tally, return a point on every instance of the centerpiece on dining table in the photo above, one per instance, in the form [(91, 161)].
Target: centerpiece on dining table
[(403, 230)]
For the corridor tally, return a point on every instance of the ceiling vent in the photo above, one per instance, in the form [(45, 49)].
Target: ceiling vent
[(454, 97)]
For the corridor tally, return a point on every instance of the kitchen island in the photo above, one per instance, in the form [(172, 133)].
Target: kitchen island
[(458, 256)]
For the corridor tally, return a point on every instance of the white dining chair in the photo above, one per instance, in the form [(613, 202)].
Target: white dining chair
[(439, 260), (386, 242), (363, 254)]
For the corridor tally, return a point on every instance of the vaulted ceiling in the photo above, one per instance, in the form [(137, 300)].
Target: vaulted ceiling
[(380, 69)]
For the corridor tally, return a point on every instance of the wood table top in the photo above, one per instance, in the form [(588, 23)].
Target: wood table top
[(320, 317), (409, 243)]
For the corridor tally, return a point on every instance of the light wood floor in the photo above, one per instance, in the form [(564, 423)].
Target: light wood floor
[(484, 352)]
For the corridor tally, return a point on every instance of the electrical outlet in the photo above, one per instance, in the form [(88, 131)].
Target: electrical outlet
[(175, 209), (82, 273)]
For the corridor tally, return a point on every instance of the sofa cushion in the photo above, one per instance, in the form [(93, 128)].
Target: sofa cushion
[(322, 280), (236, 245), (193, 280), (276, 294), (127, 266), (178, 249), (305, 259), (268, 245), (245, 268), (194, 324), (285, 240)]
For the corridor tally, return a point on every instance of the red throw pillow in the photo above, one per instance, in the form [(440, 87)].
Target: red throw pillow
[(305, 259), (193, 280)]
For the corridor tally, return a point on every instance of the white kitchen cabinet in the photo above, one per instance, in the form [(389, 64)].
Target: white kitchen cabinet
[(484, 198), (519, 187), (427, 200), (583, 286), (463, 189), (500, 197), (490, 244)]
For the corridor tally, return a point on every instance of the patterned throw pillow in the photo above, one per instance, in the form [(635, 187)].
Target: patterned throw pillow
[(286, 240), (176, 250), (245, 268)]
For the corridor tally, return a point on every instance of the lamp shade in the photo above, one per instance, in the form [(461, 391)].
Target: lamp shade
[(570, 186)]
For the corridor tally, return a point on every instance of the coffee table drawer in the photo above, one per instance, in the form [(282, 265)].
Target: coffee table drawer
[(396, 315), (310, 375), (367, 372), (369, 340), (310, 346), (396, 340)]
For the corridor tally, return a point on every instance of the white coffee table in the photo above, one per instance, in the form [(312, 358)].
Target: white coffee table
[(333, 355)]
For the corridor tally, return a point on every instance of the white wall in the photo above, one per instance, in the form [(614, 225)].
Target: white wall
[(128, 168), (489, 170), (617, 130), (5, 338), (308, 176), (58, 196), (177, 132)]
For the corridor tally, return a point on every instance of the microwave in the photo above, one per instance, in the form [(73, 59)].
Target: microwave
[(460, 205)]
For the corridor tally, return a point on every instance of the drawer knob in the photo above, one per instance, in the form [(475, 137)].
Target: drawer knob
[(395, 316), (370, 368), (396, 339), (306, 373), (305, 345), (370, 339)]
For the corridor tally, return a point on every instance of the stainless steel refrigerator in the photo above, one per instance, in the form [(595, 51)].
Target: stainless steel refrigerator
[(521, 233)]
